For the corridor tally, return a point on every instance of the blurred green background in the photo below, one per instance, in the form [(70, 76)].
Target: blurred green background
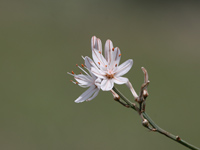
[(40, 41)]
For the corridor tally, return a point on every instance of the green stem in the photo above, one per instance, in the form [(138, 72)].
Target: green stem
[(124, 98), (154, 125)]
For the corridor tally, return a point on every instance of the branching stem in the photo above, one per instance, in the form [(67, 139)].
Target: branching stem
[(154, 127)]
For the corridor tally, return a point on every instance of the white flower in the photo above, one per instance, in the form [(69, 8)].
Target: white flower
[(87, 80), (108, 68)]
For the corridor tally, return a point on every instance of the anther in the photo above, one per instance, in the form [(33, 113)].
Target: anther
[(71, 80), (82, 65), (80, 72), (105, 65), (99, 63), (76, 82), (120, 55), (72, 72), (115, 65), (113, 49), (99, 52), (76, 65)]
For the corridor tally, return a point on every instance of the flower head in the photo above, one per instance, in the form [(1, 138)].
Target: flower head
[(108, 68), (87, 80)]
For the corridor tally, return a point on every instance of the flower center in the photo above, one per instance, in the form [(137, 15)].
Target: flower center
[(110, 76)]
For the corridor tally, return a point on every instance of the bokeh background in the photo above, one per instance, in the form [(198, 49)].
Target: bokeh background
[(40, 41)]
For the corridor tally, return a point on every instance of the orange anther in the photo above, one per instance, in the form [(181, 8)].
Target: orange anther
[(82, 65), (72, 72), (105, 65), (99, 63), (113, 49), (80, 72), (115, 65), (76, 82), (71, 80), (99, 52), (77, 65), (120, 55)]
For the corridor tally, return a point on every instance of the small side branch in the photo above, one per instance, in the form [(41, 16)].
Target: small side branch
[(132, 105), (117, 99)]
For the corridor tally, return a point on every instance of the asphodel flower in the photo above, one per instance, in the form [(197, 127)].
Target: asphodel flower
[(87, 80), (108, 68)]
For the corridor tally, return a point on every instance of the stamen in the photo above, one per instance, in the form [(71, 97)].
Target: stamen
[(83, 70), (99, 52), (83, 57), (73, 72), (99, 63), (82, 65), (76, 65), (73, 81), (113, 49), (105, 65), (115, 65), (110, 76), (120, 55), (76, 82), (80, 72)]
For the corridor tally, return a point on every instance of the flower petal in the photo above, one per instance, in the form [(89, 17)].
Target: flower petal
[(108, 50), (89, 63), (107, 85), (124, 68), (99, 59), (97, 56), (84, 86), (120, 80), (83, 79), (98, 73), (115, 58), (86, 94), (94, 95), (98, 82), (96, 43)]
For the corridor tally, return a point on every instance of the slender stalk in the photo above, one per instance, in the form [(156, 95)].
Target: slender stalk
[(156, 128), (124, 98), (167, 134)]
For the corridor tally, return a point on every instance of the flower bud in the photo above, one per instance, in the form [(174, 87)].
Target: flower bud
[(145, 123), (145, 93)]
